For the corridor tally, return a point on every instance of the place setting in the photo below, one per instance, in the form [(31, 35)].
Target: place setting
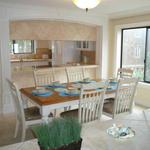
[(78, 84), (112, 84), (70, 92), (55, 84), (41, 91)]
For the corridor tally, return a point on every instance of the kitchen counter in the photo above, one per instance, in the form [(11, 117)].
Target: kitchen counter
[(28, 60), (19, 64)]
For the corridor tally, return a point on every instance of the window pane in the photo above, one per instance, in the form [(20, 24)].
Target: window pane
[(23, 46), (147, 66), (133, 50), (10, 46)]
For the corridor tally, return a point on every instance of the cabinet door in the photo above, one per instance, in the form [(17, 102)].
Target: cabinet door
[(85, 44), (79, 44)]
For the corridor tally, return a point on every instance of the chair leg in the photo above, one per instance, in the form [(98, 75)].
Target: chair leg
[(16, 129), (67, 108), (55, 112), (23, 133)]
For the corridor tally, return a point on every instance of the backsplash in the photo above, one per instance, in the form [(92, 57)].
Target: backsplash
[(40, 53)]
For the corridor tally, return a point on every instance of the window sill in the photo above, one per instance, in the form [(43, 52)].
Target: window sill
[(144, 84)]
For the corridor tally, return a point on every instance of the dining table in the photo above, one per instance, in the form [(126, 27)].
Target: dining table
[(55, 101), (95, 136)]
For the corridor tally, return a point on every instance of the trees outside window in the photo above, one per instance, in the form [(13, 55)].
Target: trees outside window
[(135, 51)]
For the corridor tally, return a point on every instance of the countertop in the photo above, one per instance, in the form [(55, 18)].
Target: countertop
[(28, 60)]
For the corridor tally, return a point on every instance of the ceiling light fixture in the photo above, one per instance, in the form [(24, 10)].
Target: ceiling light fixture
[(86, 4)]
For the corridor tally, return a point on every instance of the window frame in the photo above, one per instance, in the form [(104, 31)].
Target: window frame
[(146, 40), (32, 47)]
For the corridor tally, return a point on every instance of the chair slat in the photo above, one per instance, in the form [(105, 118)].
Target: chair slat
[(74, 74), (91, 99), (43, 76)]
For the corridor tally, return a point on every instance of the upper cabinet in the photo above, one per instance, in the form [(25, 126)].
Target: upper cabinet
[(86, 45)]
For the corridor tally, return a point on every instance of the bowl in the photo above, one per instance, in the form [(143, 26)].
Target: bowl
[(74, 91), (40, 89), (56, 83), (86, 79)]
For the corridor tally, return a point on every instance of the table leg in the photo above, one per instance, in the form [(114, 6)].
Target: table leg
[(145, 117), (46, 116)]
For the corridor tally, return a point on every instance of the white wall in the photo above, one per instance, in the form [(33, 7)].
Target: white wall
[(143, 91), (4, 58), (19, 12)]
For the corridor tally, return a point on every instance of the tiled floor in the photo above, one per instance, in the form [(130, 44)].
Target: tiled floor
[(7, 127)]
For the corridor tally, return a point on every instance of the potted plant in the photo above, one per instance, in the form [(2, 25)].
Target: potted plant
[(60, 134)]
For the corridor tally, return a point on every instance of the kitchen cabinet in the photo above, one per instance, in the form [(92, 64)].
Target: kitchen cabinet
[(85, 45), (88, 57)]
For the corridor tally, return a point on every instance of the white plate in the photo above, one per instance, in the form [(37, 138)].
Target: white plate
[(61, 90)]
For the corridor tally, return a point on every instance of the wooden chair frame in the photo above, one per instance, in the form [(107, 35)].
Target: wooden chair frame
[(74, 74), (43, 76), (124, 98), (20, 115), (91, 101), (124, 73)]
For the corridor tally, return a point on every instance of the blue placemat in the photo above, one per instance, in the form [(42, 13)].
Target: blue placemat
[(67, 94), (87, 82), (111, 88), (44, 94), (55, 86), (113, 83)]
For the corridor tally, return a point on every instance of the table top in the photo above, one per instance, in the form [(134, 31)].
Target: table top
[(48, 100), (52, 99), (95, 136)]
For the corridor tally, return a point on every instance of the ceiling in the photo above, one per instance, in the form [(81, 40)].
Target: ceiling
[(112, 8)]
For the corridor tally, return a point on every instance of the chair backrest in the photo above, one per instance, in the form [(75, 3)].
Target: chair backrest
[(91, 101), (43, 76), (124, 97), (20, 116), (74, 74), (124, 73)]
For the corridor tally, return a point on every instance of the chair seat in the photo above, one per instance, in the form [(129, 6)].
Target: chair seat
[(108, 106), (108, 100), (70, 113), (32, 113)]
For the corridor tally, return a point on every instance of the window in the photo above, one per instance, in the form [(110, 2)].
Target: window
[(21, 46), (135, 51)]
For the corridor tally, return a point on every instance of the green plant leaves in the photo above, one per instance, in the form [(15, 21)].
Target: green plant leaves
[(59, 132)]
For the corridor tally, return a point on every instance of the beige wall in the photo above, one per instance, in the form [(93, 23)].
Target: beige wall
[(143, 94), (43, 44), (51, 30), (123, 22)]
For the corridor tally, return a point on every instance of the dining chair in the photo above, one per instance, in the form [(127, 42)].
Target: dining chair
[(90, 103), (74, 74), (43, 76), (123, 101), (24, 117), (124, 73)]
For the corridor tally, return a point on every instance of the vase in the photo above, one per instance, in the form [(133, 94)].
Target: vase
[(72, 146)]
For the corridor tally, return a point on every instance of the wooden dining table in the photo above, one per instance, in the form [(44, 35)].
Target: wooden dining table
[(54, 101)]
